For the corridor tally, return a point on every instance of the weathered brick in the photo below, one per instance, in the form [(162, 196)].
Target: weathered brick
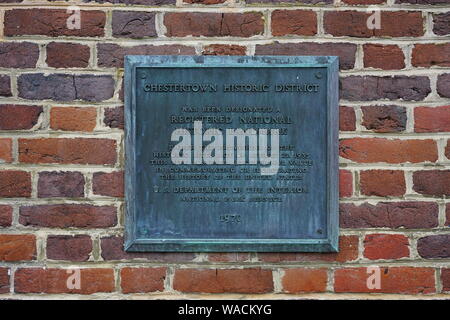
[(356, 2), (294, 22), (445, 279), (18, 117), (140, 280), (72, 248), (224, 50), (206, 2), (65, 184), (4, 280), (5, 150), (386, 246), (301, 280), (18, 54), (429, 54), (65, 87), (251, 280), (208, 24), (15, 184), (111, 55), (5, 215), (434, 246), (432, 119), (66, 150), (5, 86), (354, 24), (384, 118), (403, 280), (382, 183), (386, 57), (17, 247), (345, 183), (441, 23), (345, 51), (425, 2), (365, 88), (108, 184), (68, 216), (53, 23), (229, 257), (372, 150), (112, 249), (114, 117), (73, 118), (447, 215), (443, 85), (447, 150), (291, 1), (67, 55), (348, 251), (408, 215), (138, 2), (432, 182), (347, 119), (52, 280), (133, 24)]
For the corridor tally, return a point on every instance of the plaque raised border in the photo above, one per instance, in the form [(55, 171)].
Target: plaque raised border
[(329, 244)]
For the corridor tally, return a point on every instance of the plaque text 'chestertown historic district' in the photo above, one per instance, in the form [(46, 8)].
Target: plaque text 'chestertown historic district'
[(231, 153)]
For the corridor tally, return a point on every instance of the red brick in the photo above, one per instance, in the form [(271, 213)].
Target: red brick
[(65, 151), (386, 246), (354, 24), (206, 2), (5, 150), (402, 280), (18, 54), (224, 50), (65, 184), (5, 215), (427, 55), (345, 183), (72, 248), (386, 57), (15, 184), (382, 183), (112, 248), (53, 23), (434, 246), (139, 280), (356, 2), (52, 280), (300, 280), (294, 22), (348, 251), (68, 215), (67, 55), (347, 119), (17, 247), (18, 117), (445, 279), (384, 118), (432, 182), (73, 118), (251, 280), (208, 24), (408, 215), (4, 280), (229, 257), (432, 119), (372, 150), (108, 184)]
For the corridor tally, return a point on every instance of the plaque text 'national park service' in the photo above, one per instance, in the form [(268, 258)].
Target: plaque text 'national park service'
[(231, 153)]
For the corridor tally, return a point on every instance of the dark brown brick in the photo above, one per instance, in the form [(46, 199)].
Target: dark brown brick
[(347, 119), (224, 50), (68, 216), (434, 247), (408, 215), (67, 55), (443, 85), (382, 183), (345, 51), (133, 24), (294, 22), (72, 248), (384, 118), (61, 184), (18, 54), (5, 86), (18, 117), (441, 23), (432, 182), (114, 117), (4, 280), (108, 184)]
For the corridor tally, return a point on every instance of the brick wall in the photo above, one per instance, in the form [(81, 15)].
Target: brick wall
[(61, 146)]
